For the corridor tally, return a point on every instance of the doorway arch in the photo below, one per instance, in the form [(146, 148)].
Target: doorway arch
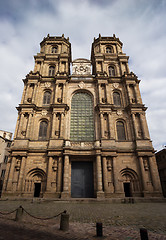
[(36, 182), (130, 182)]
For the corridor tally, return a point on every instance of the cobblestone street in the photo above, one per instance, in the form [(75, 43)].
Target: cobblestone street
[(120, 221)]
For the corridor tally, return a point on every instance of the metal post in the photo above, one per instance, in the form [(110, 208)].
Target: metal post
[(19, 214), (64, 223), (144, 234), (99, 229)]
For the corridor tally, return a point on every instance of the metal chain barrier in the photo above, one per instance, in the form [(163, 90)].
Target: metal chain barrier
[(8, 212), (41, 217), (31, 214)]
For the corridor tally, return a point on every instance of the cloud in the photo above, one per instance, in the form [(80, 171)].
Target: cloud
[(140, 25)]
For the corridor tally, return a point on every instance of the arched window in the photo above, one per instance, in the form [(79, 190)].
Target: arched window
[(117, 100), (109, 49), (82, 122), (120, 130), (54, 49), (51, 71), (46, 98), (111, 71), (43, 130)]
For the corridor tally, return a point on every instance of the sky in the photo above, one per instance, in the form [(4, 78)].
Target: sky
[(139, 24)]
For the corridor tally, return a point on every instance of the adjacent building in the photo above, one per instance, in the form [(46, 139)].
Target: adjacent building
[(81, 133), (5, 143), (161, 162)]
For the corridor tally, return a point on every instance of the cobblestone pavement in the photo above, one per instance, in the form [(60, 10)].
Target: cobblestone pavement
[(120, 221)]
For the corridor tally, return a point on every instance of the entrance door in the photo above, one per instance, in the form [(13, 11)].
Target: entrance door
[(37, 189), (127, 189), (82, 180)]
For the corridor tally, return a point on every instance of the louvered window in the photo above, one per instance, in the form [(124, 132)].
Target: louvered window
[(43, 130), (111, 70), (51, 71), (117, 100), (54, 50), (109, 50), (46, 98), (120, 130)]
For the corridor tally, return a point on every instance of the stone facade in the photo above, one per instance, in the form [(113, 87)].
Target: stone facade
[(5, 143), (161, 163), (81, 134)]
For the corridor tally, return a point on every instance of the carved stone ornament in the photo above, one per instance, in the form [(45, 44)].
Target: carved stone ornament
[(44, 112), (115, 85), (81, 85), (47, 84), (81, 67), (119, 112)]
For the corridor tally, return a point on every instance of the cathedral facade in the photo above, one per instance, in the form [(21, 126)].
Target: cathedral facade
[(81, 133)]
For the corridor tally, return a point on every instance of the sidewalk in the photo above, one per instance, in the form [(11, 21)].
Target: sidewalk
[(120, 221)]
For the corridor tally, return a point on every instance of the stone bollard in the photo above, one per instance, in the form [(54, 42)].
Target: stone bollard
[(64, 223), (19, 214), (99, 229), (144, 234)]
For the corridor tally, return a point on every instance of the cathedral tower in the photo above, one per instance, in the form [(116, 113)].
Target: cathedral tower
[(82, 134)]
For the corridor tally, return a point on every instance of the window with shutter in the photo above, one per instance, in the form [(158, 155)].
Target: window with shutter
[(117, 100), (43, 130), (120, 130), (46, 98)]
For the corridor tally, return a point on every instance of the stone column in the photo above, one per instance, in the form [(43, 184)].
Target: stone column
[(144, 126), (127, 67), (105, 174), (115, 175), (136, 94), (108, 94), (11, 173), (59, 180), (154, 174), (102, 125), (99, 86), (65, 192), (134, 125), (28, 133), (99, 177), (128, 91), (49, 174), (21, 175), (62, 126), (144, 185), (7, 175), (111, 128), (34, 93), (53, 125), (64, 93), (20, 124), (27, 92)]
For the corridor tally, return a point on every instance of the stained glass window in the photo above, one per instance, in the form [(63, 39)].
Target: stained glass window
[(82, 123)]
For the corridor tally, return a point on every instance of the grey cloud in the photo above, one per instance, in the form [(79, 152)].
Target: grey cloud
[(140, 25)]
